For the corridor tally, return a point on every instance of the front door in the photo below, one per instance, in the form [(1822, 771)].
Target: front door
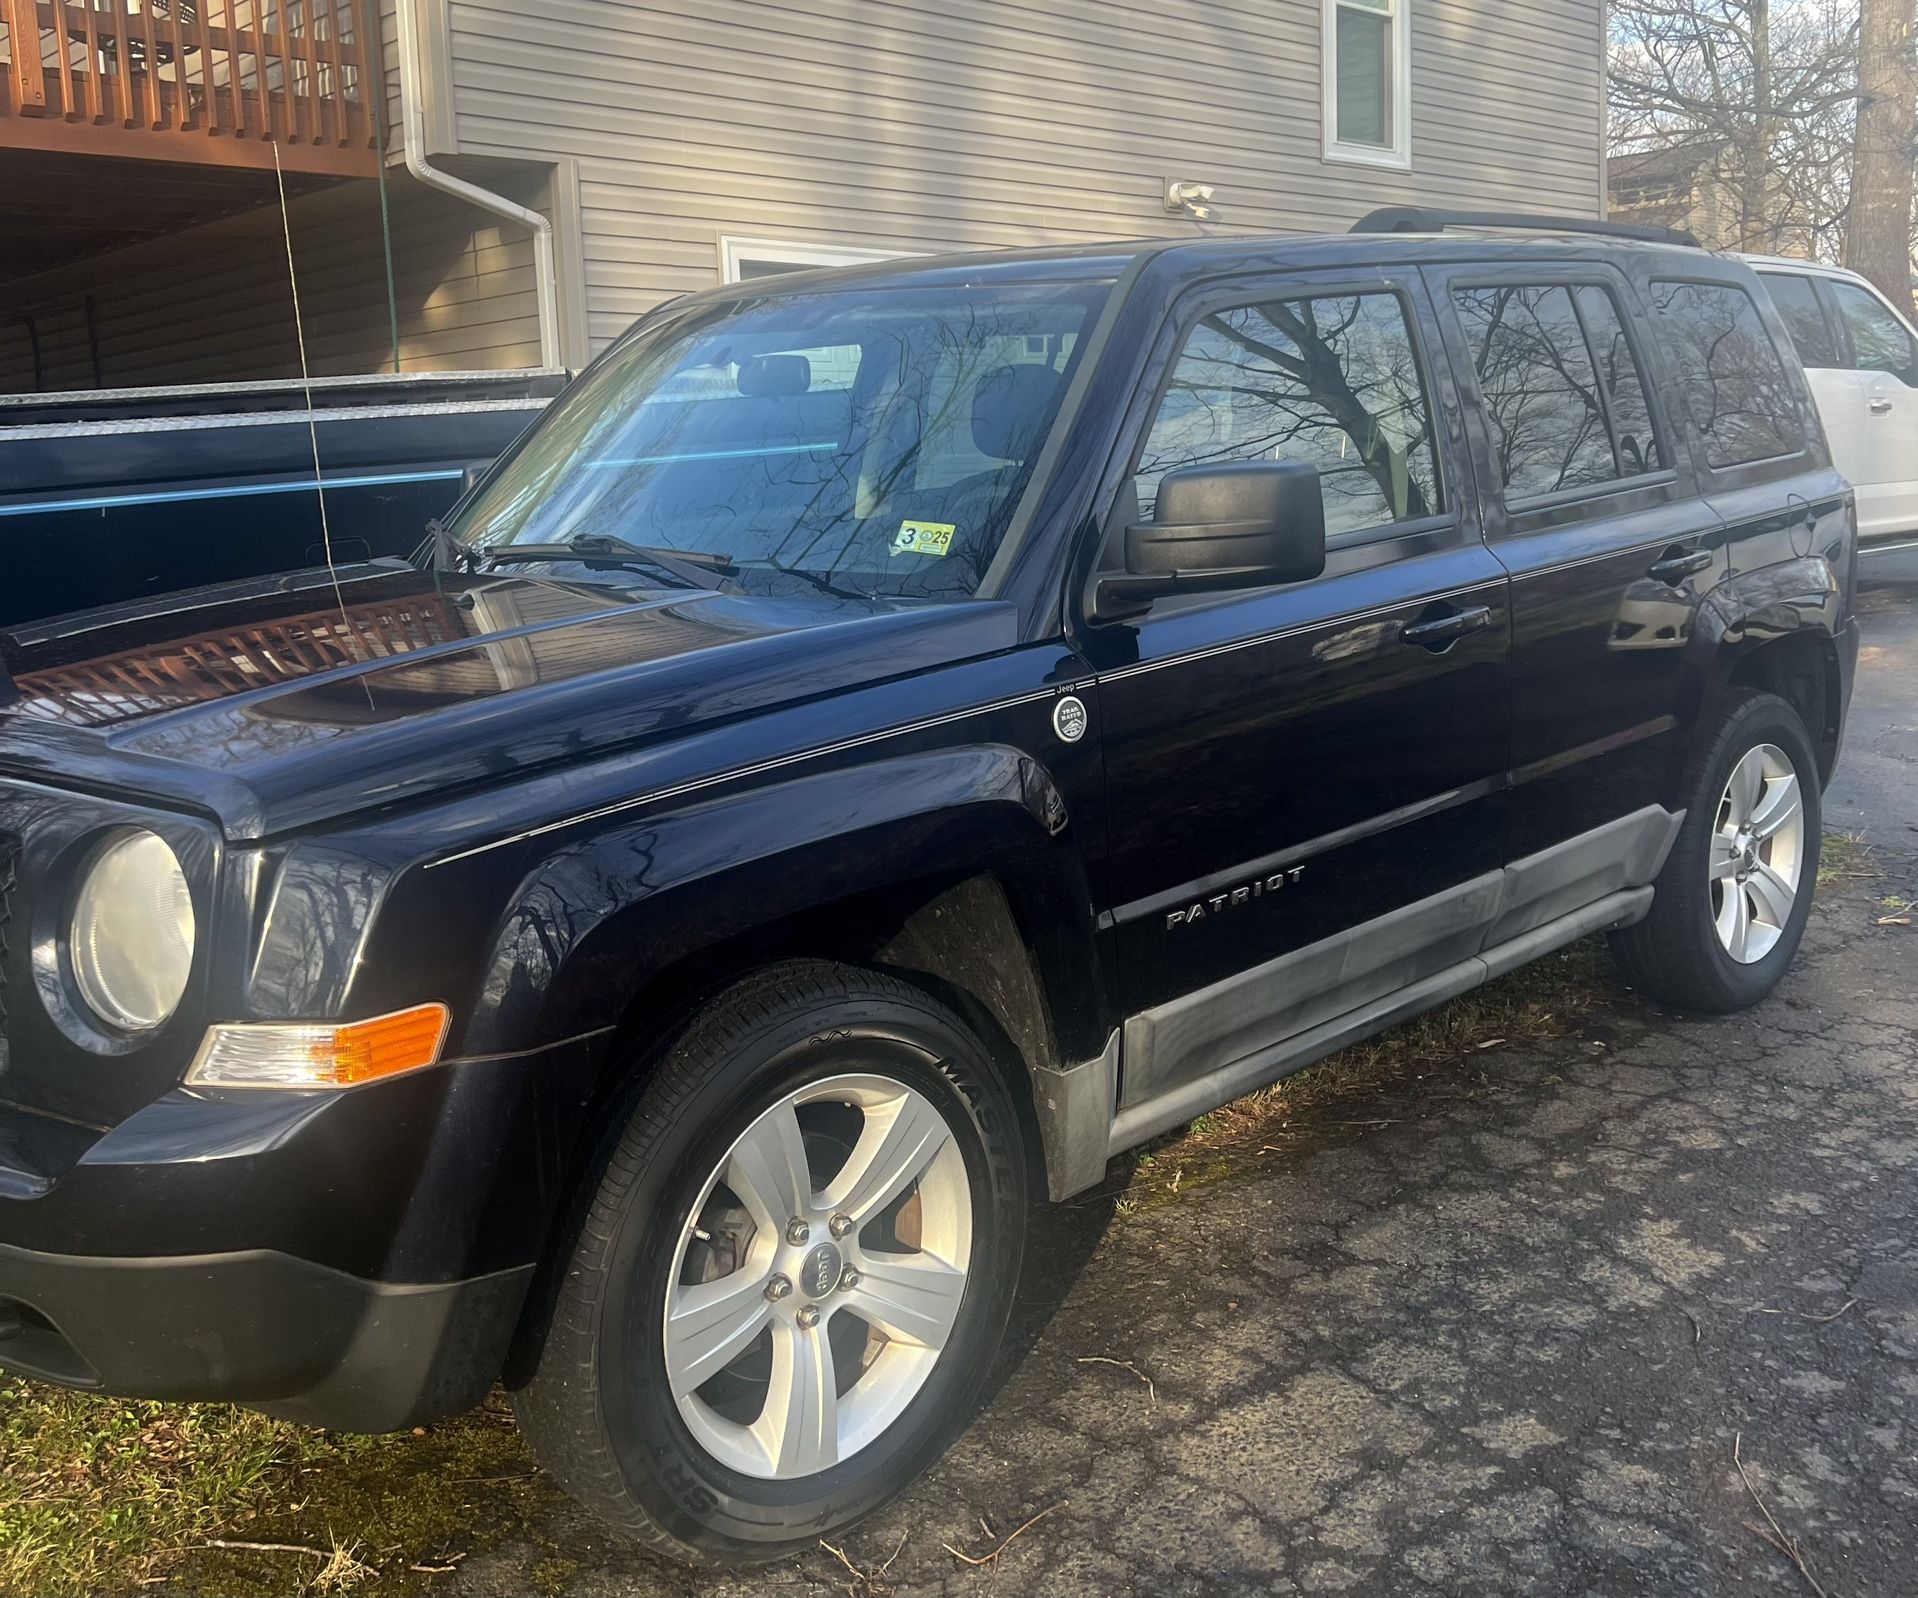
[(1609, 545), (1286, 763), (1884, 405)]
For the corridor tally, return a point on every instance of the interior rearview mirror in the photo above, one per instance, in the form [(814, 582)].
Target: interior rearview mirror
[(1244, 524)]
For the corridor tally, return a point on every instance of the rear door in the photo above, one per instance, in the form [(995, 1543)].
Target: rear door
[(1594, 512), (1285, 763), (1884, 358), (1858, 361)]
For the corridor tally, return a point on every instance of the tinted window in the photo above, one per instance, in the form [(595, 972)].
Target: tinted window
[(1879, 340), (1539, 388), (1797, 301), (1618, 372), (1333, 381), (1734, 384), (857, 443)]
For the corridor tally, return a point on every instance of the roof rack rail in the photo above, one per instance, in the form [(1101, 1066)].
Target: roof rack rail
[(1419, 219)]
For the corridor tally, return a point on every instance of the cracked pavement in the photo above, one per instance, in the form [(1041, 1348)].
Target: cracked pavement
[(1498, 1332)]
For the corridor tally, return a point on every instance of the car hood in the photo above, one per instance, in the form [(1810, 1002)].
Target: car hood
[(278, 704)]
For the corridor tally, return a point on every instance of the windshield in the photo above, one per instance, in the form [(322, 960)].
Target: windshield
[(870, 443)]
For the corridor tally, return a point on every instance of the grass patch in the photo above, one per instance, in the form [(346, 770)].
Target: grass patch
[(1844, 857), (1540, 1000), (108, 1495)]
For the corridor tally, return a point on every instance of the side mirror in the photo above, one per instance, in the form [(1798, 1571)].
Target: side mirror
[(1246, 524)]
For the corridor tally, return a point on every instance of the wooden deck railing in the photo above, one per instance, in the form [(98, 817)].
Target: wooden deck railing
[(97, 693), (193, 80)]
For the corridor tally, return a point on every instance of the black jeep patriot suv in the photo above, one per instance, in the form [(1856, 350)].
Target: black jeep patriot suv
[(887, 741)]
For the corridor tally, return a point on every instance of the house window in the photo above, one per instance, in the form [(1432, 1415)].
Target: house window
[(741, 260), (1368, 82)]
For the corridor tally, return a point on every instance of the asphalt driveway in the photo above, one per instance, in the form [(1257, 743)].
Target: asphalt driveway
[(1511, 1326)]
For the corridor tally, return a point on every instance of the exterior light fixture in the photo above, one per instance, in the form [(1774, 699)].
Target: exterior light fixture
[(1187, 198)]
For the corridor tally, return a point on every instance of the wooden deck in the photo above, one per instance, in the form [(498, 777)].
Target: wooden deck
[(207, 82)]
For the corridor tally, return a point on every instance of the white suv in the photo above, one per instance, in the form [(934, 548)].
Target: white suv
[(1861, 357)]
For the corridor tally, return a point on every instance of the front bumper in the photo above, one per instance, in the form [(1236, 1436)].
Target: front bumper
[(357, 1260), (260, 1328)]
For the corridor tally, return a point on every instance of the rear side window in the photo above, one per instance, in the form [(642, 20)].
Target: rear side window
[(1564, 410), (1878, 339), (1797, 301), (1728, 369), (1638, 447), (1333, 381)]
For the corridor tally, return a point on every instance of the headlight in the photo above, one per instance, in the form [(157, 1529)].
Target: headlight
[(131, 943)]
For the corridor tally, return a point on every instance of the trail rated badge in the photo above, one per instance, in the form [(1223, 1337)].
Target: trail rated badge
[(924, 538)]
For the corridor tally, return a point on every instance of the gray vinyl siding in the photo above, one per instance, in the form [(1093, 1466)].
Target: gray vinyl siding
[(212, 304), (964, 124)]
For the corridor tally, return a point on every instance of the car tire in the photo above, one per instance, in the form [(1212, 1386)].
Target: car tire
[(1737, 888), (626, 1405)]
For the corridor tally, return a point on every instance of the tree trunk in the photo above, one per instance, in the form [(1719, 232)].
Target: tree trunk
[(1755, 225), (1878, 236)]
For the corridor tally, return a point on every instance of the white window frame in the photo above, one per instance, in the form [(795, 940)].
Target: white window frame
[(1398, 154), (735, 252)]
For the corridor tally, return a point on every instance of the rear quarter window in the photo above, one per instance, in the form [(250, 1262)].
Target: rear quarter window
[(1729, 372)]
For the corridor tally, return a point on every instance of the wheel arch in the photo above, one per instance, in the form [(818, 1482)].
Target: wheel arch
[(1775, 629), (956, 869), (1803, 670)]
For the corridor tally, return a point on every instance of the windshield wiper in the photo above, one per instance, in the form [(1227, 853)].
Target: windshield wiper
[(694, 568), (441, 551)]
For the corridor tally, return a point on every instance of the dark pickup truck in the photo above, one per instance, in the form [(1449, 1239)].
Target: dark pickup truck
[(126, 494), (886, 742)]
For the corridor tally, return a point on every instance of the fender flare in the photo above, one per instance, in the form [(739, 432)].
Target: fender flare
[(1801, 598), (599, 919)]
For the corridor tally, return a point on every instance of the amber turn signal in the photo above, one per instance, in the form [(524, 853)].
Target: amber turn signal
[(279, 1054)]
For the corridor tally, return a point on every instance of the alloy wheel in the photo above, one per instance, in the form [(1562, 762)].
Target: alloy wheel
[(819, 1276), (1757, 854)]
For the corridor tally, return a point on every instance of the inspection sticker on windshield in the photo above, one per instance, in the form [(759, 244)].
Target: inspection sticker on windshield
[(924, 538)]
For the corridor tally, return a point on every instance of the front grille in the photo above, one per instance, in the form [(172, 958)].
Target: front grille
[(9, 881)]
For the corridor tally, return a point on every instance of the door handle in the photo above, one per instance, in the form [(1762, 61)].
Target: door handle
[(1880, 405), (1443, 630), (1676, 567)]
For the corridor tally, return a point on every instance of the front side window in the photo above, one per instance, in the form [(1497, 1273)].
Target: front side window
[(1367, 87), (1562, 396), (1879, 341), (1734, 384), (1796, 297), (1333, 381), (862, 444)]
